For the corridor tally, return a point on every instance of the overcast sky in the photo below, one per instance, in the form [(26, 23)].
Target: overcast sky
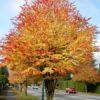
[(87, 8)]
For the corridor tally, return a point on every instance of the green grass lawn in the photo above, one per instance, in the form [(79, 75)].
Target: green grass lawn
[(22, 96)]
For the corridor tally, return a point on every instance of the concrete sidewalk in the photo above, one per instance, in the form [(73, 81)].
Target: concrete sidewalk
[(7, 95)]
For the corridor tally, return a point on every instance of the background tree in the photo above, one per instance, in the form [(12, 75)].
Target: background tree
[(3, 77), (16, 78), (50, 37), (87, 74), (21, 79)]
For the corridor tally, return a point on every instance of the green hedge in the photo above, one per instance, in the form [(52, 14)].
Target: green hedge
[(78, 85), (98, 90)]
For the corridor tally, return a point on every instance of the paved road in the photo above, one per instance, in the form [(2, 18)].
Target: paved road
[(60, 95)]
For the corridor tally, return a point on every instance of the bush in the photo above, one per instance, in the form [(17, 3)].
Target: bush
[(97, 90)]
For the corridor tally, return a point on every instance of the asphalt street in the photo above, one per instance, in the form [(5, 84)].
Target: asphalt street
[(61, 95)]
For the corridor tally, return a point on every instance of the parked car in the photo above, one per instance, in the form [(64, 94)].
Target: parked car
[(71, 90)]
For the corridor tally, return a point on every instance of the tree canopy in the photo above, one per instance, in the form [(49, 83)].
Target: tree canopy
[(50, 39)]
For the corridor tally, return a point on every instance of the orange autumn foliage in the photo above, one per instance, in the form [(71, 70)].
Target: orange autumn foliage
[(51, 37), (87, 74)]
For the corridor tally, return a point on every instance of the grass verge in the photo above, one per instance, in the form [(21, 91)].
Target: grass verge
[(22, 96)]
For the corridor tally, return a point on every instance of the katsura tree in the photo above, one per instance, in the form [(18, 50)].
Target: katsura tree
[(14, 56), (87, 75), (51, 38), (29, 74), (22, 78), (16, 78)]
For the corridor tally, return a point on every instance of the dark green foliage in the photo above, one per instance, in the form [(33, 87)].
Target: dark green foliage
[(94, 88), (98, 88), (3, 77)]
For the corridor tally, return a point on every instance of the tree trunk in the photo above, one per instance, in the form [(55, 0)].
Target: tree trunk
[(20, 87), (50, 85), (25, 87), (85, 87)]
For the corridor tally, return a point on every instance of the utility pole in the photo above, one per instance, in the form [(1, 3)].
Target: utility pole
[(99, 67), (43, 89)]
